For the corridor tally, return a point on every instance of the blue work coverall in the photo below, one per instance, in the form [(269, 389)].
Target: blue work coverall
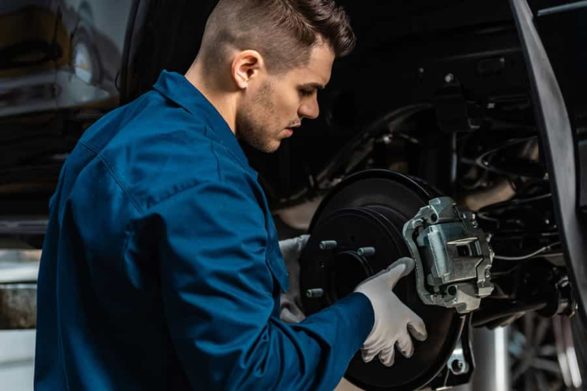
[(161, 266)]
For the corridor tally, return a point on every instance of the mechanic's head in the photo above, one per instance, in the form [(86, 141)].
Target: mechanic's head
[(261, 63)]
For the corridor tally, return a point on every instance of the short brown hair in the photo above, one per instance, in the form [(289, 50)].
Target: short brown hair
[(283, 31)]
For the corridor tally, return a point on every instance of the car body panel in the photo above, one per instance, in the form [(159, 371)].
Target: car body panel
[(559, 143)]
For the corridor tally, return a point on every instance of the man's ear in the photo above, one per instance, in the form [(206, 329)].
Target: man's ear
[(246, 66)]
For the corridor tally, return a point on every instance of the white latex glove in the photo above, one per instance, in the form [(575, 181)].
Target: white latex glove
[(394, 321), (290, 302)]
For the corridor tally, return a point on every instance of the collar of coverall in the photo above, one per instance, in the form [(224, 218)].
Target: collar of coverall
[(178, 89)]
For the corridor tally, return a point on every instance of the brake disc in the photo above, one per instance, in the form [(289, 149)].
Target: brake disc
[(355, 233)]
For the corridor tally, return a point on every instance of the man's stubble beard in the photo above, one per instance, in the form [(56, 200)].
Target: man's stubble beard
[(252, 121)]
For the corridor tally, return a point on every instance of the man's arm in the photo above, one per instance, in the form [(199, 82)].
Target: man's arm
[(218, 298)]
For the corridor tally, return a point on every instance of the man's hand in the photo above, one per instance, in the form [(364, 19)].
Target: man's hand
[(290, 302), (393, 319)]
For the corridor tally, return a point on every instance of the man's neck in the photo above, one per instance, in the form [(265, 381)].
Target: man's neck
[(221, 100)]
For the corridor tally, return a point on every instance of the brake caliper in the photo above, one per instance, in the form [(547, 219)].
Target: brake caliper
[(453, 256)]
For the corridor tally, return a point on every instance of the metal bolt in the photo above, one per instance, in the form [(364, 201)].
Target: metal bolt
[(366, 251), (314, 293), (457, 366), (328, 245)]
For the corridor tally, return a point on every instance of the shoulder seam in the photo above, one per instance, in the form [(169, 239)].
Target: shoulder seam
[(218, 165), (115, 177), (209, 132)]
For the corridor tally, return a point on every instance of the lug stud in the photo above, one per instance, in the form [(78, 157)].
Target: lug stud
[(366, 251), (314, 293), (328, 245)]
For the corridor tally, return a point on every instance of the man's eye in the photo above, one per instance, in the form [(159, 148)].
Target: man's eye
[(306, 92)]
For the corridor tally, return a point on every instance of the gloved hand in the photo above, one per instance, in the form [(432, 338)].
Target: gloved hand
[(290, 302), (393, 319)]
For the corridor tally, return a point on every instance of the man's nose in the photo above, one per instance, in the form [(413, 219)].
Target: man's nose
[(309, 109)]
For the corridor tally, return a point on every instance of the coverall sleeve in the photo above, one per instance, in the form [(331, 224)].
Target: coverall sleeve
[(220, 307)]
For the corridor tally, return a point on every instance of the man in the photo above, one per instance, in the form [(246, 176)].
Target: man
[(161, 267)]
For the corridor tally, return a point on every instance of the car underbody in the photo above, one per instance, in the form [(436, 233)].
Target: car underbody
[(474, 103)]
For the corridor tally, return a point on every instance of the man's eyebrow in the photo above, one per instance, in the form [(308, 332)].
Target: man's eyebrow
[(317, 86)]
